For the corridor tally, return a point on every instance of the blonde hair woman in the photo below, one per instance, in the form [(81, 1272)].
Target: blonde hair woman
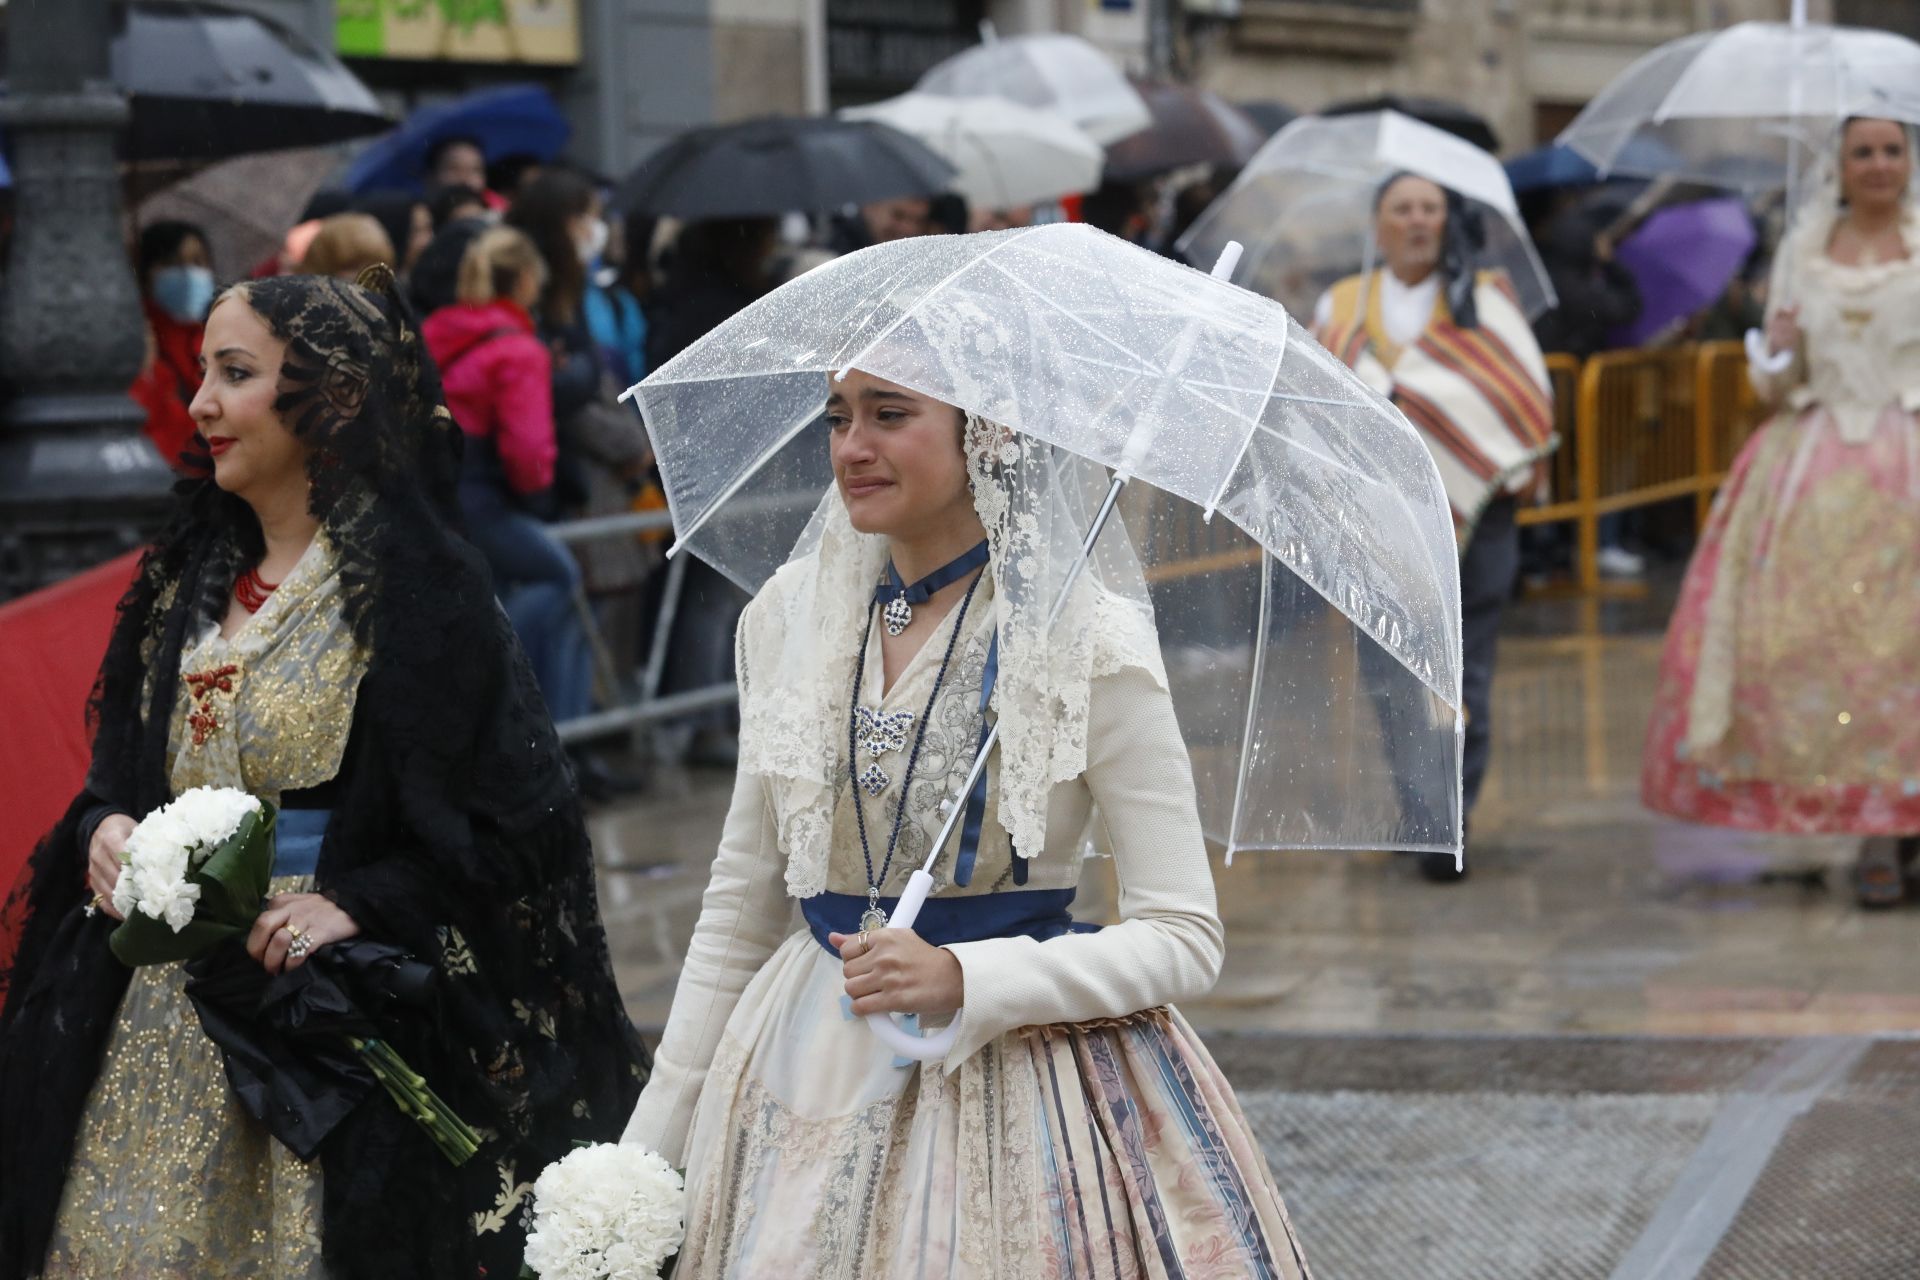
[(346, 245), (498, 377)]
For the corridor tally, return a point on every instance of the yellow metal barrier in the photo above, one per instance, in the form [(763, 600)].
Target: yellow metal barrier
[(1641, 427)]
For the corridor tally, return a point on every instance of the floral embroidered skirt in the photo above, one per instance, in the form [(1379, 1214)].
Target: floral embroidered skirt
[(1102, 1150), (171, 1179), (1787, 699)]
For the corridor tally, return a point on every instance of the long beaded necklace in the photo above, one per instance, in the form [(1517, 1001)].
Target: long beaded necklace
[(876, 738)]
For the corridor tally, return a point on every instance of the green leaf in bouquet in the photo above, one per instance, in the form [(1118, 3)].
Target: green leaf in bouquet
[(233, 885), (140, 939), (234, 879)]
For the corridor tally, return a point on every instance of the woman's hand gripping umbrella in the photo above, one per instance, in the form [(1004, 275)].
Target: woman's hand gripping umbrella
[(1312, 638)]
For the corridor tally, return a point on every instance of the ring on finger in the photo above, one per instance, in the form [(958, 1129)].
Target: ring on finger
[(300, 946), (93, 905)]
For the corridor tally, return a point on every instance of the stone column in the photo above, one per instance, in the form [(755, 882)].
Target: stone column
[(78, 482)]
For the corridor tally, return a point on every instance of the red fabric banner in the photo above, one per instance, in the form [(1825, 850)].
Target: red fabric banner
[(51, 644)]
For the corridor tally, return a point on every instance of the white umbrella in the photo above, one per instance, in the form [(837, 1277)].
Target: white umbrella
[(1736, 107), (1004, 154), (1303, 205), (1063, 74)]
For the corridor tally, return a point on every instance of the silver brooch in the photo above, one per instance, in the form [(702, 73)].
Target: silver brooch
[(898, 615), (879, 732)]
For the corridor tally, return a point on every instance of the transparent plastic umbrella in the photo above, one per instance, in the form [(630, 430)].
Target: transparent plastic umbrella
[(1064, 74), (1303, 206), (1742, 107), (1291, 524), (1004, 154)]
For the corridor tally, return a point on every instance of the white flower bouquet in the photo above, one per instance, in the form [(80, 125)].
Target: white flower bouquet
[(193, 873), (610, 1211)]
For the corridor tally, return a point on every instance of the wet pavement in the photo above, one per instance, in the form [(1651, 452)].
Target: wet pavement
[(1623, 1046)]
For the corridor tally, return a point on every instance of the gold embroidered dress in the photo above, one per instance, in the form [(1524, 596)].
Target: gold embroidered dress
[(1077, 1127), (170, 1176), (1787, 698)]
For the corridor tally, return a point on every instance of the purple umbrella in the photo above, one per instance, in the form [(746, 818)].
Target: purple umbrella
[(1683, 257)]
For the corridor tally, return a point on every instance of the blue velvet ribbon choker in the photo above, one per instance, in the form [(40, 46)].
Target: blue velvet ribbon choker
[(899, 598)]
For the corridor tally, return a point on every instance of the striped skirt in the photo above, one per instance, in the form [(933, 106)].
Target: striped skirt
[(1098, 1150)]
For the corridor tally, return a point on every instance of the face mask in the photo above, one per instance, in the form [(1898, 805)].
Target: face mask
[(596, 242), (184, 293)]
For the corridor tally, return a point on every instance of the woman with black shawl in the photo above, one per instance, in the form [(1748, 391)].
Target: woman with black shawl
[(308, 628)]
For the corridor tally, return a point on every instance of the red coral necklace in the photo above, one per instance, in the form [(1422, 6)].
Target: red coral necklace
[(251, 590)]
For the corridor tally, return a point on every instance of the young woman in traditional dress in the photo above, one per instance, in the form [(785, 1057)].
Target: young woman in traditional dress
[(1787, 699), (1076, 1126), (309, 630), (1449, 345)]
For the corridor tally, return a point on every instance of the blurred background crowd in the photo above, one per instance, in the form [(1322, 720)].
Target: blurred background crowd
[(533, 179)]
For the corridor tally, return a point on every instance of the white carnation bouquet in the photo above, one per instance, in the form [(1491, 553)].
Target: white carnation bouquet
[(610, 1211), (199, 865)]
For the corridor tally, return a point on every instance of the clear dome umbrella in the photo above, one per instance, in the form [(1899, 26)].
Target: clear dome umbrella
[(1303, 206), (1743, 107), (1064, 74), (1291, 525)]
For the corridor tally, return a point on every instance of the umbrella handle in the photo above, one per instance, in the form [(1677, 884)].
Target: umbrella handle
[(927, 1048)]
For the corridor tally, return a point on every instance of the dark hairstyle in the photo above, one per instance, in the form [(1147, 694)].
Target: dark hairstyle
[(440, 146), (730, 249), (442, 201), (1112, 205), (162, 241), (393, 210), (949, 213), (505, 174), (325, 204), (543, 210)]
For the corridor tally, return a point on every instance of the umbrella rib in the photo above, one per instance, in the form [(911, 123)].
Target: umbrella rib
[(739, 482), (1226, 478), (1106, 338), (906, 313)]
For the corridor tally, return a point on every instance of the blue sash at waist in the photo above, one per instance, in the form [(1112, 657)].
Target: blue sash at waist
[(297, 835), (1021, 913)]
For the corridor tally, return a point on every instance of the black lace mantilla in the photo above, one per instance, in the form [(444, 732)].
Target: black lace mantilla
[(457, 833)]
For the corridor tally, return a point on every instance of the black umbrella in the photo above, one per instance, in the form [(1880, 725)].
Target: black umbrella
[(285, 1038), (207, 82), (1438, 112), (1190, 126), (782, 164), (1270, 114)]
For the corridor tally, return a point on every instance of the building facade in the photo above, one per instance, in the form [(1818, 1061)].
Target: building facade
[(1526, 65)]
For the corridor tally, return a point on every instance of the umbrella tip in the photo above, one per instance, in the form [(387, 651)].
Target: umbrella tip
[(1228, 260)]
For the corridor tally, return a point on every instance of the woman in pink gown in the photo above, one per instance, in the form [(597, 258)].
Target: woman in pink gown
[(1787, 698)]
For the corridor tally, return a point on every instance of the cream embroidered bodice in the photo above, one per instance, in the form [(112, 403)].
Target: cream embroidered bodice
[(268, 709), (1860, 329), (946, 753)]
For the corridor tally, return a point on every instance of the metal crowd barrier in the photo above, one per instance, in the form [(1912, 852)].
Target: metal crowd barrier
[(1639, 428), (624, 708), (1636, 428)]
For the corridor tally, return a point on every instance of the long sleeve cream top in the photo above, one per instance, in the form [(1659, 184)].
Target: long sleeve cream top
[(1138, 786)]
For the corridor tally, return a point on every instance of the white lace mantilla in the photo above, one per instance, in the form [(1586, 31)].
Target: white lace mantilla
[(797, 639)]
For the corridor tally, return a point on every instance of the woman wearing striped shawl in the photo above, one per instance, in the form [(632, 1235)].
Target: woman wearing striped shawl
[(1452, 348)]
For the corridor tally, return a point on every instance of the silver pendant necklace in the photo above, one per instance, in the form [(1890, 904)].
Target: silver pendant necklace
[(877, 732), (900, 598)]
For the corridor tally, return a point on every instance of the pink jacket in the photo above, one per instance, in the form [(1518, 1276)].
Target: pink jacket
[(498, 378)]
